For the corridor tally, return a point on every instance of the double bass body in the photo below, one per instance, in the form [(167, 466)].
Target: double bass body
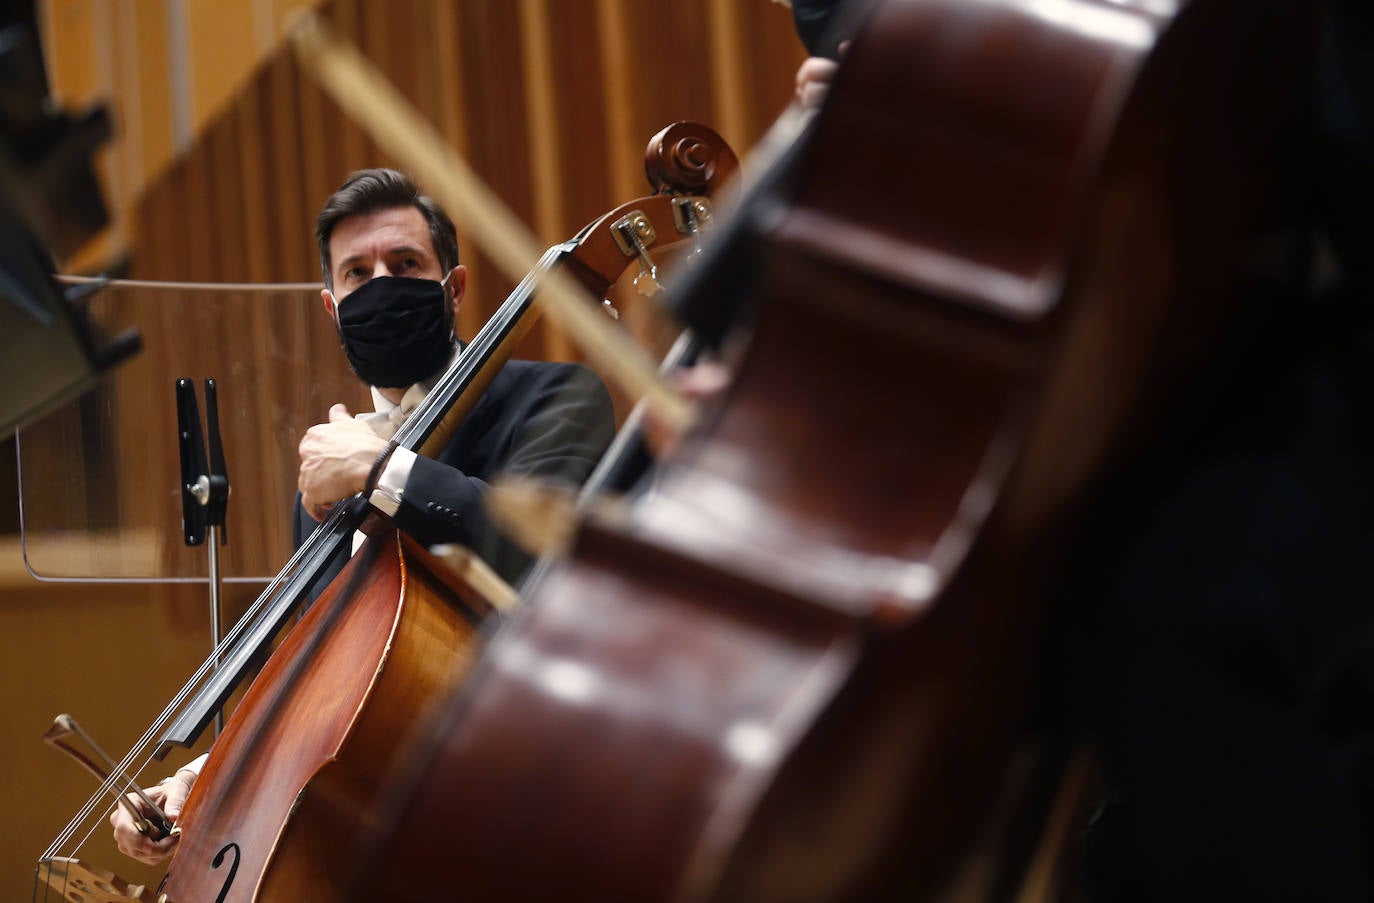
[(283, 800)]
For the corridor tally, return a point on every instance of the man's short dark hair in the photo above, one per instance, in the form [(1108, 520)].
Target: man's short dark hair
[(371, 190)]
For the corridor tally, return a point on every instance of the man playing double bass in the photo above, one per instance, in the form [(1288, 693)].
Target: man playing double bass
[(392, 286)]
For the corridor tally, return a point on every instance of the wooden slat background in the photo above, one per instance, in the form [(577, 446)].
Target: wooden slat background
[(552, 101)]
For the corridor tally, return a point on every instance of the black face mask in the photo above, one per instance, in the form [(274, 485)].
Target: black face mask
[(396, 330)]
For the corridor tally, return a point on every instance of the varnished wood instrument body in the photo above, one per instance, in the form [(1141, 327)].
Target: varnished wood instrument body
[(805, 668), (304, 764)]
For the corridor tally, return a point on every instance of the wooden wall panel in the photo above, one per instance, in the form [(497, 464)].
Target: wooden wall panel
[(579, 127), (286, 192), (224, 40), (574, 123), (252, 150), (495, 96), (165, 68)]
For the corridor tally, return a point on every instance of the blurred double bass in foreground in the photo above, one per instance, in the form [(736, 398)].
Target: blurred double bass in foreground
[(804, 666)]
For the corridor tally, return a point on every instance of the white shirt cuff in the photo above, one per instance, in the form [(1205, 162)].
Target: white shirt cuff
[(386, 498), (195, 764)]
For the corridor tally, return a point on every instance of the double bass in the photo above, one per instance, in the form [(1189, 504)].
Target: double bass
[(285, 794), (804, 666)]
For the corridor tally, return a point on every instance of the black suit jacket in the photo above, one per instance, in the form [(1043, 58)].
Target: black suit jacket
[(537, 419)]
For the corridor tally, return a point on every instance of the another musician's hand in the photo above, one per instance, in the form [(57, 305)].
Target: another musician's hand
[(336, 458), (699, 383), (814, 77), (170, 796)]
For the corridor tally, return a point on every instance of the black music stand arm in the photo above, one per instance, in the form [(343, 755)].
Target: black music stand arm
[(204, 491)]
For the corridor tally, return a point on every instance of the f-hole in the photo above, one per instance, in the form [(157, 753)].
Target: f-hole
[(233, 869)]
